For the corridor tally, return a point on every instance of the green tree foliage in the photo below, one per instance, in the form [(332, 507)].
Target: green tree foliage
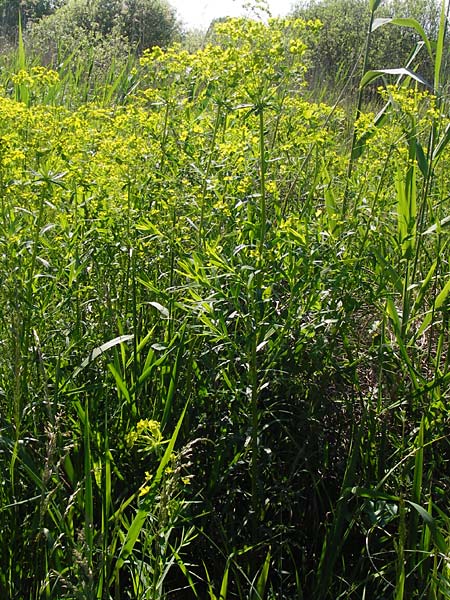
[(75, 30), (148, 23), (139, 23), (30, 10), (337, 50)]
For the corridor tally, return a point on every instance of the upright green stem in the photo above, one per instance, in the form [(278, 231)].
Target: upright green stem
[(165, 137), (254, 432), (173, 238), (208, 169), (262, 185), (358, 110), (88, 491), (23, 366), (257, 313)]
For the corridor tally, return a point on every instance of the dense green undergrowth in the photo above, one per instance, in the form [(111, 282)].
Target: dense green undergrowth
[(224, 367)]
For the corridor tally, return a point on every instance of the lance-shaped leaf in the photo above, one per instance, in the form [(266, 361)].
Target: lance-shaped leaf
[(445, 139), (374, 4), (96, 352), (402, 71), (438, 226), (440, 44), (437, 536), (404, 22), (438, 304)]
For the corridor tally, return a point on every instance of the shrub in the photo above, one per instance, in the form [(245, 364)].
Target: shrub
[(148, 23), (138, 23)]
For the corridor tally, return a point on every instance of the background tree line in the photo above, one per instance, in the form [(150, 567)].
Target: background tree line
[(112, 30), (55, 27), (336, 52)]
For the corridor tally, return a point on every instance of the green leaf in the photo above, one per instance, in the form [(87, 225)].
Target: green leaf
[(402, 72), (168, 453), (422, 160), (441, 298), (162, 309), (263, 576), (130, 541), (442, 143), (119, 382), (416, 488), (423, 288), (437, 226), (184, 570), (373, 494), (224, 586), (405, 22), (88, 491), (437, 536), (440, 45), (374, 4), (96, 352), (392, 312)]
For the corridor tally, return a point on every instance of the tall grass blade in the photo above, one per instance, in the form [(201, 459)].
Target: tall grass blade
[(436, 535), (88, 491), (416, 497), (407, 209), (21, 55), (400, 549), (121, 385), (224, 585), (174, 371), (440, 45), (261, 582)]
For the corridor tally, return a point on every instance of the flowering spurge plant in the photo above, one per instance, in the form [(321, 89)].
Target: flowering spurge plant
[(253, 59), (35, 84), (214, 381)]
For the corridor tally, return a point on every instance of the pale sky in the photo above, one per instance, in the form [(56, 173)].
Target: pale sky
[(200, 13)]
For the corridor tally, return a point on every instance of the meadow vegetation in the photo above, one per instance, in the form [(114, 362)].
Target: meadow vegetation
[(224, 324)]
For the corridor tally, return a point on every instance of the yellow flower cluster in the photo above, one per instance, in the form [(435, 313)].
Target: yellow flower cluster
[(36, 76), (247, 61), (420, 104), (147, 434)]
